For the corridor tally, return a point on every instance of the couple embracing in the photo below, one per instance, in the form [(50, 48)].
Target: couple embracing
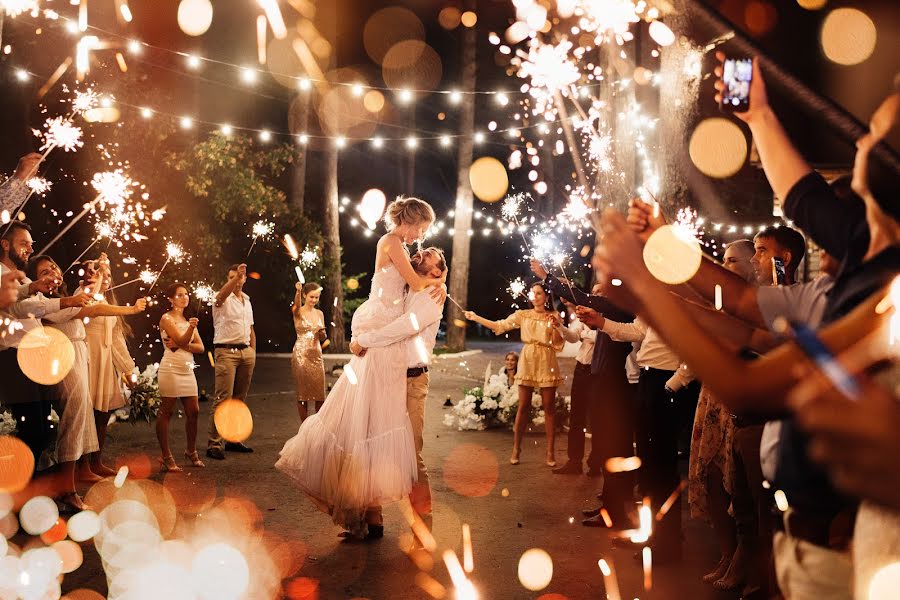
[(363, 448)]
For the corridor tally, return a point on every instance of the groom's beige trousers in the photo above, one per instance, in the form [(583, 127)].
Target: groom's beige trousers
[(420, 495)]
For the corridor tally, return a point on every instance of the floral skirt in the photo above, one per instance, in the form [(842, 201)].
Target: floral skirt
[(711, 444)]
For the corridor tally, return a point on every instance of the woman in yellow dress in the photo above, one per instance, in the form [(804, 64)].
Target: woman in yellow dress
[(538, 367)]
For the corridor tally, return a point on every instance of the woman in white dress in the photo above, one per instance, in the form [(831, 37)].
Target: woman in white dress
[(77, 433), (176, 377), (358, 452)]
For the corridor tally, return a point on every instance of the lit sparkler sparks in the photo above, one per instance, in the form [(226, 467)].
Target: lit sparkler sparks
[(59, 133), (39, 185), (113, 187), (174, 252), (512, 205), (148, 276), (309, 257), (686, 223), (516, 287), (205, 295), (578, 208), (261, 230), (16, 7), (84, 101)]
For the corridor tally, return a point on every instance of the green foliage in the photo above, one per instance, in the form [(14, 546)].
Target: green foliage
[(353, 298)]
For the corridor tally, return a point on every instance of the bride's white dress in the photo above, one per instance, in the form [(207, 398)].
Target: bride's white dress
[(358, 450)]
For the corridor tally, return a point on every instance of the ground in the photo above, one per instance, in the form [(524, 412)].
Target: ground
[(510, 509)]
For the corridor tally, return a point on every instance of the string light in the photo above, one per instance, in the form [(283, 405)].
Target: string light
[(193, 62), (134, 47)]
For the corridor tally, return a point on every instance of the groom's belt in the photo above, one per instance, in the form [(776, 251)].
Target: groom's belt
[(416, 372)]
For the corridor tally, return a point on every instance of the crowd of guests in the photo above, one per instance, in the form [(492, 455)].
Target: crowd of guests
[(34, 300)]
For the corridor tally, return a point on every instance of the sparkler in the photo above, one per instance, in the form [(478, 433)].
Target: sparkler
[(147, 276), (175, 254), (609, 579), (39, 185), (16, 7), (261, 230), (517, 288), (309, 257), (510, 211), (291, 246), (205, 295)]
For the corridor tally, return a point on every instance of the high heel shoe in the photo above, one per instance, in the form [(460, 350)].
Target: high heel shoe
[(551, 459), (194, 457), (167, 463), (514, 459)]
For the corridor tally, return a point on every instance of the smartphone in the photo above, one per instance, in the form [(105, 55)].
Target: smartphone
[(778, 275), (736, 75), (819, 353)]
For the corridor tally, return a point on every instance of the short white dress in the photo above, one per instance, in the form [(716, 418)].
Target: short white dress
[(175, 376), (358, 452)]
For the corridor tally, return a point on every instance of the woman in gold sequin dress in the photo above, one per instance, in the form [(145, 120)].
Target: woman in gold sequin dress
[(538, 369), (306, 362)]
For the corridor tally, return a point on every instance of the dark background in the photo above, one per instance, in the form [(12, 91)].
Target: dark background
[(215, 94)]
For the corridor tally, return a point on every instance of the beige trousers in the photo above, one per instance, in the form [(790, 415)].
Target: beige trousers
[(420, 495), (810, 572), (234, 370)]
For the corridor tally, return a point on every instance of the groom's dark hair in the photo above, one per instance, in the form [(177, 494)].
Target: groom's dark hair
[(417, 258)]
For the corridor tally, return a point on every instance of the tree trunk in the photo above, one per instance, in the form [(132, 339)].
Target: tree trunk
[(462, 220), (299, 122), (334, 292)]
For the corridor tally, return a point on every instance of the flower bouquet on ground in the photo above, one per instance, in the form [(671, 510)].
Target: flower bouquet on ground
[(143, 399)]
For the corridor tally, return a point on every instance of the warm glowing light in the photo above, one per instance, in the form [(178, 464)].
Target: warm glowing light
[(38, 515), (174, 252), (812, 4), (516, 287), (618, 464), (265, 136), (220, 571), (39, 349), (885, 583), (233, 420), (22, 75), (718, 147), (412, 143), (488, 179), (193, 62), (405, 96), (248, 75), (205, 294), (535, 569), (16, 469), (195, 16), (781, 501), (377, 142), (672, 255), (60, 133), (340, 141), (146, 113), (446, 140), (16, 7), (661, 33), (371, 207), (186, 122), (848, 36), (226, 129), (469, 18)]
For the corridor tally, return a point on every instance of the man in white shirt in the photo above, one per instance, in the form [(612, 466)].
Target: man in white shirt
[(417, 330), (583, 391), (235, 354)]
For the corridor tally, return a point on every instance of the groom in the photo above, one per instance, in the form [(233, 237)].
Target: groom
[(417, 329)]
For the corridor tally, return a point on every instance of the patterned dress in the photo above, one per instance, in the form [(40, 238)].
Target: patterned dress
[(711, 444), (538, 367)]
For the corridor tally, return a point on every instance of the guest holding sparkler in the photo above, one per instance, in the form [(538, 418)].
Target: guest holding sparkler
[(108, 362), (538, 367), (77, 434), (14, 190), (306, 361), (176, 377), (235, 344)]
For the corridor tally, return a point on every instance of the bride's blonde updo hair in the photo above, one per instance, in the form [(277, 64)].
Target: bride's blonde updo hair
[(407, 211)]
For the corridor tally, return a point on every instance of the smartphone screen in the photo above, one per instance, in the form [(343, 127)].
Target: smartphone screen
[(819, 353), (736, 75), (778, 275)]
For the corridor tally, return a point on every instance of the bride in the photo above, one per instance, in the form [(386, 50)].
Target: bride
[(358, 452)]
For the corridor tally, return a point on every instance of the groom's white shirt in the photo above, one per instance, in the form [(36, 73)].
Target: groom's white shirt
[(417, 328)]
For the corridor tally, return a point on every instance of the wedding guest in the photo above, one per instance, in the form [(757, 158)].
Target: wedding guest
[(14, 190), (176, 377), (235, 354), (306, 361), (583, 384), (29, 403), (9, 288), (109, 361), (538, 368), (77, 433), (511, 365)]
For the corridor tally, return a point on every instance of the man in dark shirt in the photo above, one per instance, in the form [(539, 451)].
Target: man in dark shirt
[(613, 397)]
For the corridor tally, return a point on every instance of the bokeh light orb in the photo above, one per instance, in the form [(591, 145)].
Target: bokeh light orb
[(193, 494), (56, 533), (70, 554), (390, 26), (83, 594), (84, 525), (40, 568), (885, 583), (449, 17), (535, 569), (195, 16), (220, 572), (16, 469), (46, 355), (372, 206), (373, 101), (718, 147), (233, 420), (468, 18), (760, 17), (38, 515), (812, 4), (9, 525), (661, 33), (642, 76), (412, 64), (471, 470), (488, 179), (672, 255), (848, 36)]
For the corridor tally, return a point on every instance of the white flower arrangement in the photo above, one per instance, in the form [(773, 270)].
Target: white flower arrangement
[(7, 423), (495, 405)]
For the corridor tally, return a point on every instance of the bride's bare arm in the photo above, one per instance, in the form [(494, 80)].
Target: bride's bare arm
[(392, 246)]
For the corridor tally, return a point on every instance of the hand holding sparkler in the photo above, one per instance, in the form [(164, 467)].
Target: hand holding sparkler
[(538, 269), (261, 230), (27, 167), (644, 218)]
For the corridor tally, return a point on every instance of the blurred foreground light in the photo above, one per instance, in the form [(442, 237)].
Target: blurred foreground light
[(848, 36), (718, 147), (84, 525), (661, 33), (671, 255), (195, 16), (535, 569), (16, 468), (489, 179), (46, 355), (885, 583), (371, 207), (38, 515), (22, 75), (220, 572), (233, 420)]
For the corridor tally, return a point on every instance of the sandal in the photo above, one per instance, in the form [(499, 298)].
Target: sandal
[(167, 463), (194, 457)]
